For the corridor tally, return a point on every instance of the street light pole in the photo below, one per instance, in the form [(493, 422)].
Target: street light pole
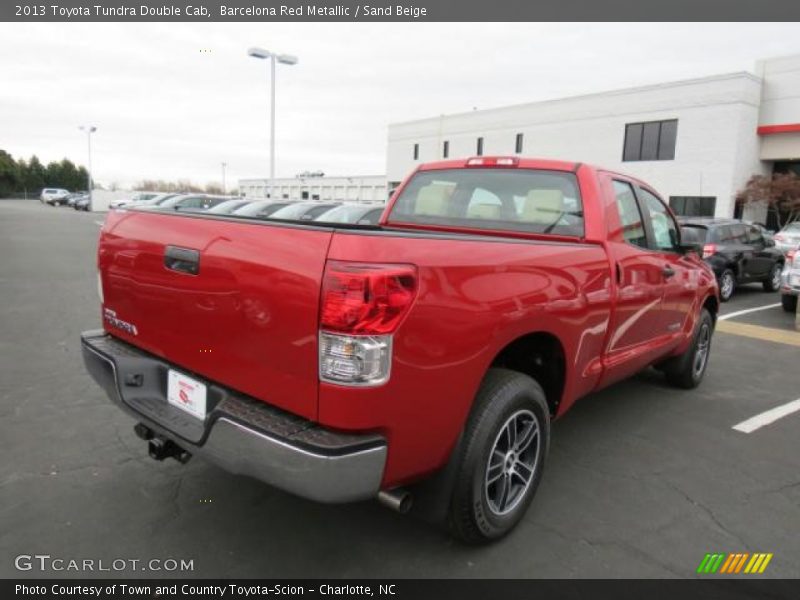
[(89, 129), (284, 59), (224, 187), (272, 122)]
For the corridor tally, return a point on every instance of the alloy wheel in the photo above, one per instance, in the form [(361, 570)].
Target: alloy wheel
[(512, 462), (701, 351)]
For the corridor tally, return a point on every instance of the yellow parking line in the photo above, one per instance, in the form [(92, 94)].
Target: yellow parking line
[(767, 334)]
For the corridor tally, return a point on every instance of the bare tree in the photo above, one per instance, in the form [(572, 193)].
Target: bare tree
[(779, 192)]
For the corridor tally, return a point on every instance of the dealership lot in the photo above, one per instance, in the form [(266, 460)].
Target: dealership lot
[(642, 481)]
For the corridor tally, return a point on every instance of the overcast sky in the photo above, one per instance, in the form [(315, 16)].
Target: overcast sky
[(166, 110)]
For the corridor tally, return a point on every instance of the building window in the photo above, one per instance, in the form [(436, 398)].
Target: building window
[(416, 151), (518, 144), (654, 140), (445, 149), (693, 206), (479, 148), (304, 195)]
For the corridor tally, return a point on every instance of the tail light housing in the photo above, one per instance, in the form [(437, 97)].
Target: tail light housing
[(778, 237), (709, 250), (362, 305), (793, 258)]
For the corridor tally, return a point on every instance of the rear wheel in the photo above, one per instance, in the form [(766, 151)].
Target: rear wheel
[(505, 445), (789, 303), (727, 283), (687, 370), (773, 282)]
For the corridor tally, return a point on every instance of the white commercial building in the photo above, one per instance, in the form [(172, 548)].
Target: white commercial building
[(696, 141), (368, 188)]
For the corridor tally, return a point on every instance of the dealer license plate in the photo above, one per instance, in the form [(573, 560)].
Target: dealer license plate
[(187, 394), (794, 280)]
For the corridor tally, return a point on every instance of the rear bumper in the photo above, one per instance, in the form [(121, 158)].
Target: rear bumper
[(240, 434)]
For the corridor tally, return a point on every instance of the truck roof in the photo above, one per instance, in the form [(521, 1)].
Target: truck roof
[(520, 162)]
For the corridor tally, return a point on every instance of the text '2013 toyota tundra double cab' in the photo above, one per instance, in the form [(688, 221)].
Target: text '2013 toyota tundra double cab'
[(342, 363)]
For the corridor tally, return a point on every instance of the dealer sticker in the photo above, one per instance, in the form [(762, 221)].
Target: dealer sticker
[(187, 394)]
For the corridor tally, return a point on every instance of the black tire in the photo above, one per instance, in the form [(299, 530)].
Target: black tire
[(727, 284), (789, 303), (477, 512), (773, 282), (687, 370)]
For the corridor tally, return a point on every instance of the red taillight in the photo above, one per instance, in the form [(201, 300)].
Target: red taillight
[(709, 250), (790, 256), (493, 161), (366, 298)]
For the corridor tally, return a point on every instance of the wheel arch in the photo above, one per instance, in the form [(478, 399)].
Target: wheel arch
[(711, 304), (541, 356)]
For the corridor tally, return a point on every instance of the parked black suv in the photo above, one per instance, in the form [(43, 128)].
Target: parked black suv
[(737, 251)]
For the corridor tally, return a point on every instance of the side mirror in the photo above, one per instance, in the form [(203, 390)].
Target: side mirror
[(689, 247)]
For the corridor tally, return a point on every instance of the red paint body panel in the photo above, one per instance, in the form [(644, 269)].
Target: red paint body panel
[(475, 297), (248, 320), (255, 306)]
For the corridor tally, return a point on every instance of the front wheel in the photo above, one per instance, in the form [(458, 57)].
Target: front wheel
[(502, 459), (773, 282), (687, 370)]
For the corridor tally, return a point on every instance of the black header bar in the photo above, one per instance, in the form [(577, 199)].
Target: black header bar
[(397, 10)]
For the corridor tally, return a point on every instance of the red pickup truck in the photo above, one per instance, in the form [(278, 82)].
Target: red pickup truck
[(342, 363)]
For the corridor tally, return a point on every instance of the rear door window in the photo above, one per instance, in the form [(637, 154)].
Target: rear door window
[(528, 200), (665, 230), (629, 215)]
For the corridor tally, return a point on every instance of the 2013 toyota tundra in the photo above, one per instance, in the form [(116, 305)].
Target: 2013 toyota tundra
[(342, 363)]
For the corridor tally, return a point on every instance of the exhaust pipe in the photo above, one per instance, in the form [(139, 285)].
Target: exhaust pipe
[(397, 499)]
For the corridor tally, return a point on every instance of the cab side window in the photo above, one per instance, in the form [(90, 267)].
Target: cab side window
[(629, 216), (665, 230)]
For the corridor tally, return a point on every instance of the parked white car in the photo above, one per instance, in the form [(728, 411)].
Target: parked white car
[(790, 280), (54, 196), (788, 238), (137, 198)]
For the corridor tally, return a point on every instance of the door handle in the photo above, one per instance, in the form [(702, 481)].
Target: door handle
[(183, 260), (667, 272)]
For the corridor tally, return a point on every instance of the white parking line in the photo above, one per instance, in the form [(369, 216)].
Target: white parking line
[(767, 417), (101, 224), (747, 310)]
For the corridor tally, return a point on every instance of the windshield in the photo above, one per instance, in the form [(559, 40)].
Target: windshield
[(260, 208), (299, 210), (227, 207), (349, 213), (169, 203), (535, 201)]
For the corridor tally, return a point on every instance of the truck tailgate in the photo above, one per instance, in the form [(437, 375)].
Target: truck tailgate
[(247, 318)]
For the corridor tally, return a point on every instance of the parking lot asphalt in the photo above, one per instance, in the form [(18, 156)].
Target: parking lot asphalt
[(642, 481)]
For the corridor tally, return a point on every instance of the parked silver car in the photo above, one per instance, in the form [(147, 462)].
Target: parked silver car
[(788, 238), (354, 214), (790, 280)]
